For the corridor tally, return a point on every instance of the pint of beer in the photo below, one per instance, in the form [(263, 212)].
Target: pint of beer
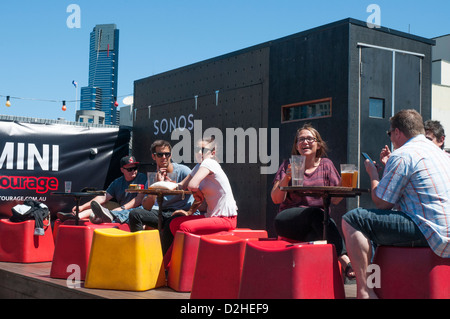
[(349, 175)]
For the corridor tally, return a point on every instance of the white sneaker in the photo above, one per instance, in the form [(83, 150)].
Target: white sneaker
[(101, 212)]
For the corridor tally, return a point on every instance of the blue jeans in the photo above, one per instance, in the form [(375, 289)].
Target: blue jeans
[(121, 216), (386, 227)]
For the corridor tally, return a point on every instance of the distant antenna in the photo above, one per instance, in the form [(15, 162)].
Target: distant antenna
[(409, 28)]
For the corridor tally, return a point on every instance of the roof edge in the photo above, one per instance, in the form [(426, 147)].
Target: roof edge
[(296, 35)]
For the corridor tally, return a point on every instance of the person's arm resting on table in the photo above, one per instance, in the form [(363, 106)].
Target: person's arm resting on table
[(193, 182)]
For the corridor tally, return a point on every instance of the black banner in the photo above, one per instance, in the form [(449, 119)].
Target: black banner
[(36, 160)]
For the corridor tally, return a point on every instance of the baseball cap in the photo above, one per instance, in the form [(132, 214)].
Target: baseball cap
[(128, 161)]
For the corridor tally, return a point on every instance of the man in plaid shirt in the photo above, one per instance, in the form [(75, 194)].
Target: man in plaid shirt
[(412, 199)]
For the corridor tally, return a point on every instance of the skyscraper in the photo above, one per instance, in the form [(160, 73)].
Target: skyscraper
[(101, 93)]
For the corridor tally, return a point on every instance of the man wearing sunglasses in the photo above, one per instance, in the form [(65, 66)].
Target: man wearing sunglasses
[(96, 209), (411, 197), (147, 214)]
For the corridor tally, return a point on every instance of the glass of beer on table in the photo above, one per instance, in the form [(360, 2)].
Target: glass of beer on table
[(349, 175)]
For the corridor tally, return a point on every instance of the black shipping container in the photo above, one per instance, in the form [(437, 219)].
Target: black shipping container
[(344, 78)]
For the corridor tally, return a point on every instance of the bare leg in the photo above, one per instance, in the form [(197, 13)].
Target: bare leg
[(359, 250), (85, 214)]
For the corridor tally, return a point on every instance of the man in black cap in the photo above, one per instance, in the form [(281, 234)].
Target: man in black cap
[(95, 209)]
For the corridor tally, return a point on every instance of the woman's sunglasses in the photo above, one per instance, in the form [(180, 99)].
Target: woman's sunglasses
[(202, 149)]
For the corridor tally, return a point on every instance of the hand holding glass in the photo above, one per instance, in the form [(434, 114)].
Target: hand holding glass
[(297, 169)]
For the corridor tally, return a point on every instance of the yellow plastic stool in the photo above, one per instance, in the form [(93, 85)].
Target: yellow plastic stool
[(122, 260)]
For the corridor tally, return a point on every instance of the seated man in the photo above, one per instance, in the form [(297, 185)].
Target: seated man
[(412, 199), (125, 201), (148, 213), (434, 131)]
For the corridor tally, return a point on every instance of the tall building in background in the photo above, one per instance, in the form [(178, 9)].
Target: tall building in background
[(101, 93)]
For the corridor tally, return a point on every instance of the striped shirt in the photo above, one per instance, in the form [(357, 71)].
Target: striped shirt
[(417, 181)]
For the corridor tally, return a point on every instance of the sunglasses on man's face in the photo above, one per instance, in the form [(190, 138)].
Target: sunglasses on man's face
[(160, 155), (131, 169)]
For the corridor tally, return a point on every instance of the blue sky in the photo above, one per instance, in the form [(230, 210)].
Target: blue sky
[(40, 55)]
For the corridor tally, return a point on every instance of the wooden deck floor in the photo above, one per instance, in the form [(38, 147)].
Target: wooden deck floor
[(32, 281)]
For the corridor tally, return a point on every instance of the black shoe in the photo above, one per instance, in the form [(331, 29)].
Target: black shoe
[(65, 216), (101, 212)]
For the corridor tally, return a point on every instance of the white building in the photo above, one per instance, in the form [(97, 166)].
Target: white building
[(441, 84)]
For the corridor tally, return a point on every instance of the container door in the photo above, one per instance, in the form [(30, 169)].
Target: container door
[(389, 81)]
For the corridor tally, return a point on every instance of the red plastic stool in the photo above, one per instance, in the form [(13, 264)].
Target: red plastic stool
[(412, 273), (18, 244), (281, 270), (73, 247), (85, 222), (219, 265), (184, 256), (182, 263), (58, 223), (248, 233)]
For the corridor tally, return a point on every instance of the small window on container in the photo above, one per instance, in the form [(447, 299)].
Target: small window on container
[(306, 110), (376, 108)]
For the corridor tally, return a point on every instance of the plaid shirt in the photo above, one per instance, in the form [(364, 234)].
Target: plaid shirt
[(417, 180)]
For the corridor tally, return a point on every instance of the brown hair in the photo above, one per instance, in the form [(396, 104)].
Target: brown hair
[(160, 143), (322, 151), (409, 122), (436, 128)]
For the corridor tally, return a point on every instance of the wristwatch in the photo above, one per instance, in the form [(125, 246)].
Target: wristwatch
[(123, 207)]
